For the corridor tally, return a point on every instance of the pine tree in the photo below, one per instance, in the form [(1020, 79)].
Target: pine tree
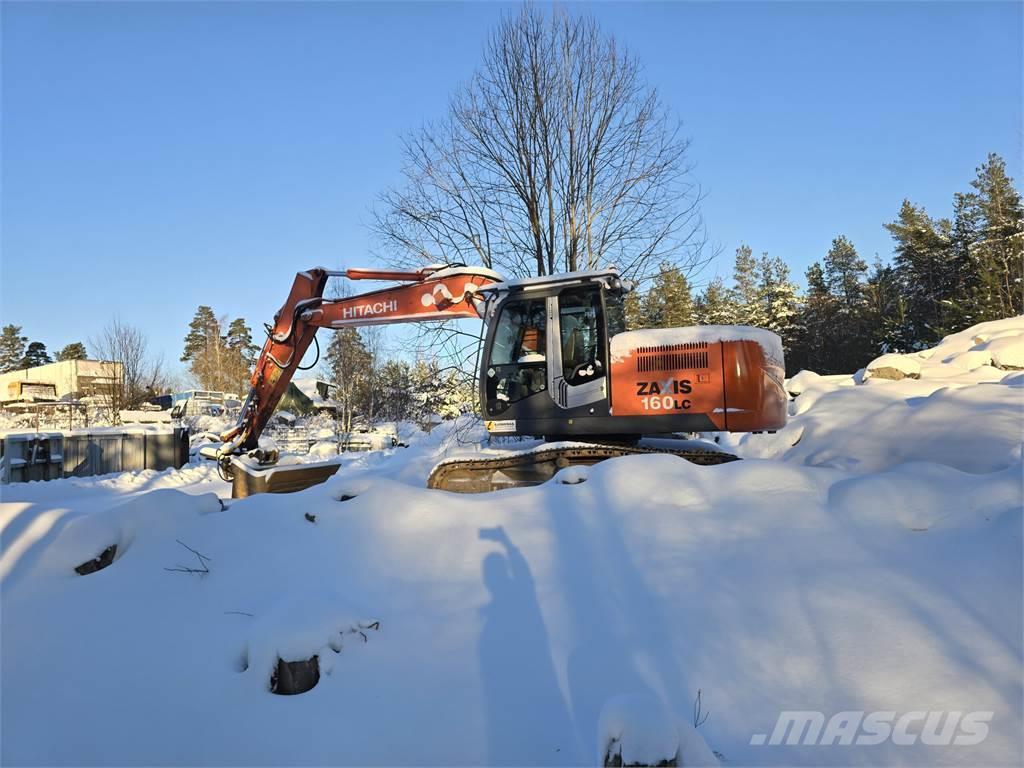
[(239, 338), (966, 281), (778, 298), (887, 317), (424, 382), (348, 367), (12, 348), (633, 310), (849, 343), (813, 339), (833, 334), (35, 355), (203, 326), (206, 350), (74, 351), (397, 399), (924, 262), (668, 303), (747, 289), (844, 273), (816, 283), (242, 353), (441, 392), (715, 305), (997, 247)]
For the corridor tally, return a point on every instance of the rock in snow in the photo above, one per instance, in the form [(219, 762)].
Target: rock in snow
[(894, 368)]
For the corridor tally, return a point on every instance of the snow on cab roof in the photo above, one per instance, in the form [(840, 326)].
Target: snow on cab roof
[(565, 277)]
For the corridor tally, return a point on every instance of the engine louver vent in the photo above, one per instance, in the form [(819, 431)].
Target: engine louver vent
[(672, 357)]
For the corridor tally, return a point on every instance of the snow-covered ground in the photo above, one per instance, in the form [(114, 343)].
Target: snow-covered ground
[(867, 558)]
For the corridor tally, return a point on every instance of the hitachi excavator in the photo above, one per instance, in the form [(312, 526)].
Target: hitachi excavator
[(557, 362)]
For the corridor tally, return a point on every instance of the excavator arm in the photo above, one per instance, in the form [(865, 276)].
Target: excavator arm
[(437, 292)]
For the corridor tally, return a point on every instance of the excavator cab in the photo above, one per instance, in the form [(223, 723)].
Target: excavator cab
[(558, 362), (545, 365)]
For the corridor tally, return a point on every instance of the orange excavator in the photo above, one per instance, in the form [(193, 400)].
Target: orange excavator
[(557, 362)]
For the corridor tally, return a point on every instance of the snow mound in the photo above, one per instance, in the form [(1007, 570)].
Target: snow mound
[(871, 562), (323, 449), (511, 623), (1013, 380), (962, 412), (637, 730), (981, 353), (988, 348), (883, 498), (894, 367), (808, 379), (296, 627), (797, 384), (1007, 352)]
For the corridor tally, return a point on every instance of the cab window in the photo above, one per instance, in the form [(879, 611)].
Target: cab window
[(518, 363), (615, 310), (582, 335)]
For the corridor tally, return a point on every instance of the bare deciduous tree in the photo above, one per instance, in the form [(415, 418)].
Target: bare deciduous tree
[(555, 156), (133, 374)]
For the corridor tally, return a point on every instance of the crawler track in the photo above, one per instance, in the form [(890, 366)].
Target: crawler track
[(533, 467)]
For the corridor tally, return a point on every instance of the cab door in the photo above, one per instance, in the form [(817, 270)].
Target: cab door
[(577, 365)]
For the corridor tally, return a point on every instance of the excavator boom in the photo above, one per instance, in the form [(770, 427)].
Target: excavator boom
[(438, 292)]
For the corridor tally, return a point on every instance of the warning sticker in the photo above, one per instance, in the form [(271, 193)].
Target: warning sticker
[(509, 425)]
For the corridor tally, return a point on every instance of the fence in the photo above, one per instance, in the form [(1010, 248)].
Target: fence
[(80, 453)]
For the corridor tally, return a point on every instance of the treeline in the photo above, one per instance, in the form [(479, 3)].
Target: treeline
[(17, 352), (372, 387), (945, 275)]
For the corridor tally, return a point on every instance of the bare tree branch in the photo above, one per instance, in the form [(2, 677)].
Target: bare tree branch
[(555, 156), (132, 374)]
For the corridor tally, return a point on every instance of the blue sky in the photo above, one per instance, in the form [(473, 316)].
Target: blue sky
[(161, 156)]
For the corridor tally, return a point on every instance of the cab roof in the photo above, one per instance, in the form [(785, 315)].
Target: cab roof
[(605, 277)]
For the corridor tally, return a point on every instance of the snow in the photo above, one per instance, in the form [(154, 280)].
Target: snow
[(805, 379), (528, 283), (468, 271), (874, 565), (1006, 352), (638, 729), (323, 449), (622, 344), (986, 350), (126, 429), (308, 387), (906, 365)]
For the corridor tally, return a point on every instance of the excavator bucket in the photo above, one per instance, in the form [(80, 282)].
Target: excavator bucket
[(248, 479)]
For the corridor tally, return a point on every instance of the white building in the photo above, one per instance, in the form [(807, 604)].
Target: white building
[(74, 378)]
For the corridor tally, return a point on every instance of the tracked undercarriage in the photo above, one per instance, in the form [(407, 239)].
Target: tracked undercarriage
[(472, 474), (516, 469)]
